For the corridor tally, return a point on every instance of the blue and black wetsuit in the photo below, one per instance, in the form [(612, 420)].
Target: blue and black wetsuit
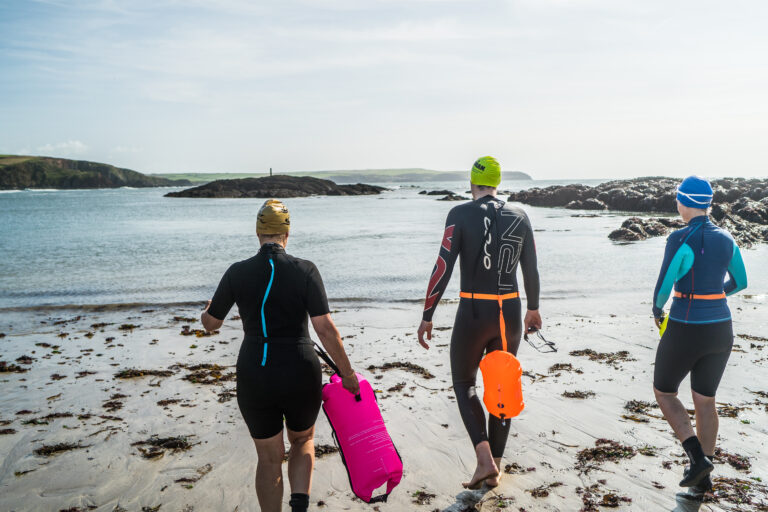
[(493, 238), (699, 334), (278, 374)]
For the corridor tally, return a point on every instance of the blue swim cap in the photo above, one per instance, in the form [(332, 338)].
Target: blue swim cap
[(695, 192)]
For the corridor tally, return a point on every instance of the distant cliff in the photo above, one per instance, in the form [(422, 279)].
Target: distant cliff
[(20, 172), (276, 186)]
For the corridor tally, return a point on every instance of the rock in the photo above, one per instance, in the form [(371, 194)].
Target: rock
[(453, 197), (437, 192), (276, 186), (740, 205), (635, 228)]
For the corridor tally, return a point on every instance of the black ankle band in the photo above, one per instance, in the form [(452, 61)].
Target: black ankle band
[(693, 449), (299, 502)]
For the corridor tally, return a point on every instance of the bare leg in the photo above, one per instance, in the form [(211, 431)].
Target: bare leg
[(486, 468), (301, 460), (494, 480), (706, 422), (269, 472), (675, 414)]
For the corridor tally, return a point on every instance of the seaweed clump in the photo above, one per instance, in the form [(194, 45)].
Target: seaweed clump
[(736, 461), (611, 358), (604, 450), (6, 367), (208, 374), (48, 450), (158, 445), (738, 492), (578, 394), (409, 367), (131, 373)]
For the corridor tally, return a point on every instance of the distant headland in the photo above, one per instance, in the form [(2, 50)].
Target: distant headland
[(21, 172), (410, 175)]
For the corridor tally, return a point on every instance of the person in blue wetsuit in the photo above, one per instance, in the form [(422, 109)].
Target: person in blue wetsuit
[(699, 335)]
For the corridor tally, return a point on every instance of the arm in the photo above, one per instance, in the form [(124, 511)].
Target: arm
[(678, 260), (737, 274), (441, 276), (216, 310), (319, 314), (529, 267), (331, 340)]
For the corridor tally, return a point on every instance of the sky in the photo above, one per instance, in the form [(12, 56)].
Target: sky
[(555, 88)]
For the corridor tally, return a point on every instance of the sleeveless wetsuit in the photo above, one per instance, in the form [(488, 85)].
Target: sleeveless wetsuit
[(699, 334), (278, 374), (492, 238)]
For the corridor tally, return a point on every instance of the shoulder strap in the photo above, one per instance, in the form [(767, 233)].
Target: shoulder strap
[(325, 357)]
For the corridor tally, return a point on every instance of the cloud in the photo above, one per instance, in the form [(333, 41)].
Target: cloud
[(70, 147)]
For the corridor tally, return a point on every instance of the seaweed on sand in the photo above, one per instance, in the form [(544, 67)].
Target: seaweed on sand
[(158, 445), (611, 358), (517, 469), (208, 374), (409, 367), (7, 431), (48, 450), (564, 367), (604, 450), (735, 460), (542, 491), (131, 373), (578, 394), (422, 497), (6, 367), (593, 497), (738, 492)]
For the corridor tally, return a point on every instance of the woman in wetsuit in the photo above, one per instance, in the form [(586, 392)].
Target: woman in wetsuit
[(492, 238), (698, 336), (278, 373)]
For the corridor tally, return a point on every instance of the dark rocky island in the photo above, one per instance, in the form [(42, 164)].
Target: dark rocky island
[(20, 172), (740, 205), (276, 186)]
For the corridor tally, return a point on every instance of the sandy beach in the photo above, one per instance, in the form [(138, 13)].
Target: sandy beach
[(68, 391)]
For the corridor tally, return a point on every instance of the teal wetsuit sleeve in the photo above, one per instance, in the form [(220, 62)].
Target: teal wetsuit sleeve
[(737, 274), (677, 262)]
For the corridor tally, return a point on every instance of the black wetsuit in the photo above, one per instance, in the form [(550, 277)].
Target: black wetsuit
[(492, 238), (278, 374)]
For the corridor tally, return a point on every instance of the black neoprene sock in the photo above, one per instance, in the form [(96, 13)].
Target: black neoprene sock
[(693, 449), (299, 502)]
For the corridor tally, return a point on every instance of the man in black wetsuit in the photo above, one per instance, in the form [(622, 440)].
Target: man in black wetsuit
[(278, 374), (492, 238)]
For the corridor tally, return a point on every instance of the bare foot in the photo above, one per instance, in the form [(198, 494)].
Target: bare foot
[(483, 472), (492, 482)]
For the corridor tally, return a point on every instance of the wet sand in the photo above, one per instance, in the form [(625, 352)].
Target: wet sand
[(75, 435)]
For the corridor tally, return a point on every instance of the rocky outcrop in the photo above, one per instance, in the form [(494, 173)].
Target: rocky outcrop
[(740, 205), (635, 228), (276, 186), (453, 197), (437, 192), (21, 172)]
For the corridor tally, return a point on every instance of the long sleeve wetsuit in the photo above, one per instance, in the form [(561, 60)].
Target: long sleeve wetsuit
[(492, 238)]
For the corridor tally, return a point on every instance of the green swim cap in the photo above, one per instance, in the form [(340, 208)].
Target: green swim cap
[(486, 172)]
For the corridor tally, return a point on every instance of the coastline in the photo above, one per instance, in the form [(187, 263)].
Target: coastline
[(421, 416)]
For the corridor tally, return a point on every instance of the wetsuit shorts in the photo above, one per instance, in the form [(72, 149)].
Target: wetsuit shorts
[(287, 384), (701, 349)]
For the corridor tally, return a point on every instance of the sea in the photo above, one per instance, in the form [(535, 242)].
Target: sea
[(80, 249)]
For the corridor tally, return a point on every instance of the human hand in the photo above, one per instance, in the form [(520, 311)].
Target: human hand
[(425, 327), (350, 383), (532, 321), (657, 321)]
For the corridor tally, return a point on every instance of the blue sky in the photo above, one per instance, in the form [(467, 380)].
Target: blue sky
[(556, 88)]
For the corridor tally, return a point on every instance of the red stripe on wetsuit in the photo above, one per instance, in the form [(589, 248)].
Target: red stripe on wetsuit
[(439, 271)]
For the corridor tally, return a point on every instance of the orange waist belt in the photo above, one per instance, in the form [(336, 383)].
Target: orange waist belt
[(711, 296), (499, 299)]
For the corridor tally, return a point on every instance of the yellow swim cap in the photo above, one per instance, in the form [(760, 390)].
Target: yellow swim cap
[(486, 172), (273, 218)]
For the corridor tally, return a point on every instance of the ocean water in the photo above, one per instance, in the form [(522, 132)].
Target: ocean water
[(119, 246)]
